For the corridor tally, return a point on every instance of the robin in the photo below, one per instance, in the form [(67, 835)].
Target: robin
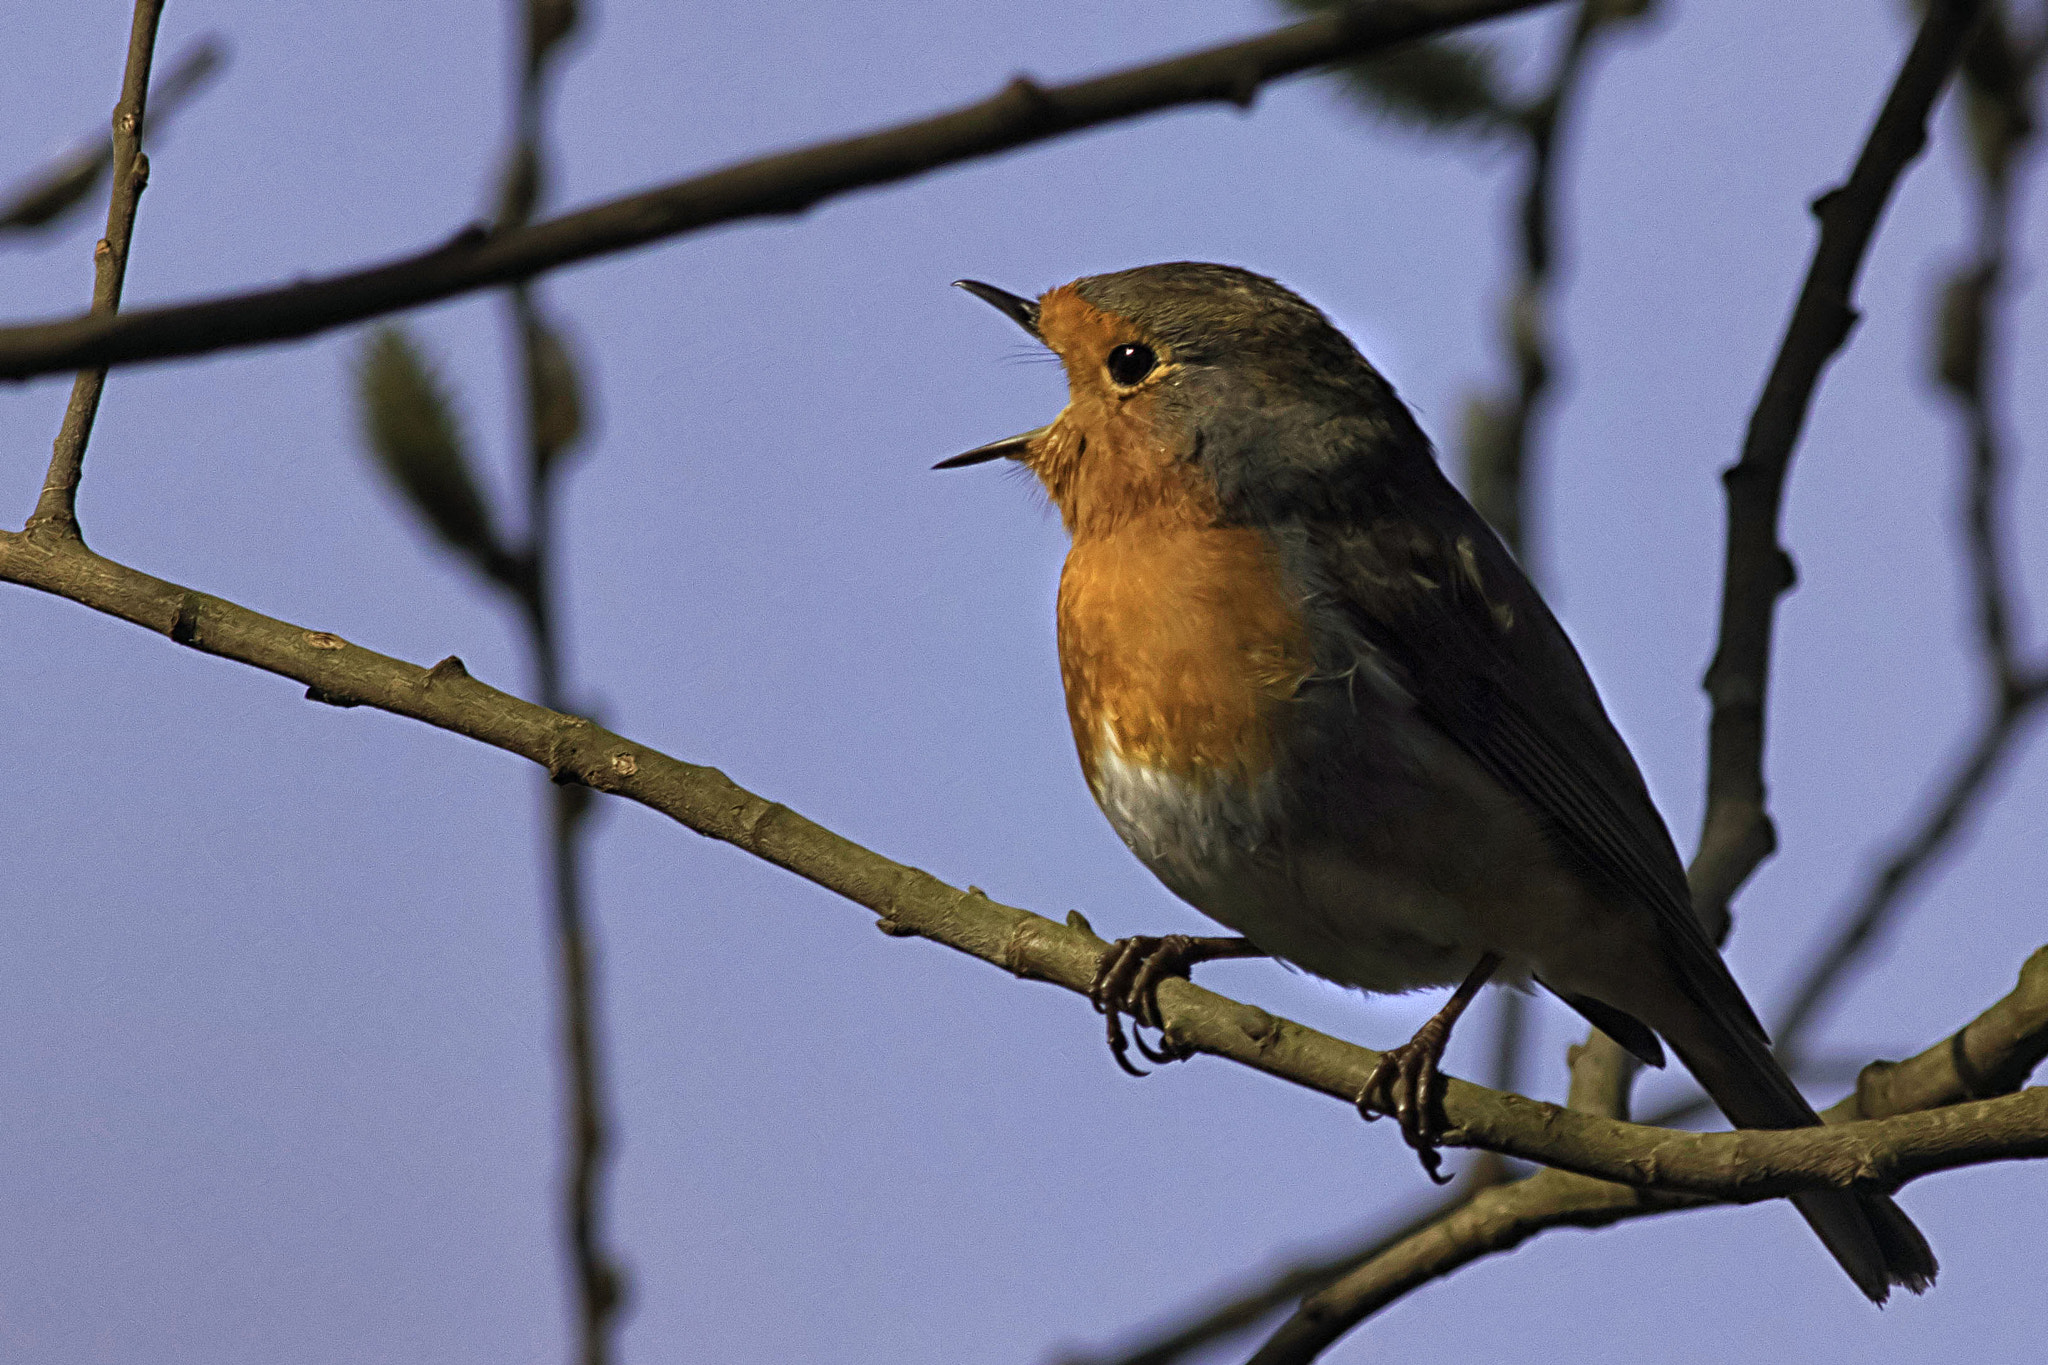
[(1317, 697)]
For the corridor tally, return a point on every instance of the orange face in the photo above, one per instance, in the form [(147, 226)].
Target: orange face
[(1101, 459)]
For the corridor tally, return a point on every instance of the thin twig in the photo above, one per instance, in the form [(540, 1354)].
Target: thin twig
[(1024, 112), (1501, 433), (1997, 77), (56, 511), (1737, 834)]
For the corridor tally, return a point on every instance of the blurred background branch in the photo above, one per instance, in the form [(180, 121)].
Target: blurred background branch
[(1023, 112), (410, 421), (43, 200)]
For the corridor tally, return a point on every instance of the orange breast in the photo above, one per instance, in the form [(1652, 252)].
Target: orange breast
[(1177, 646)]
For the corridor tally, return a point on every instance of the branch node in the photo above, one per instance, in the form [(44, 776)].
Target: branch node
[(321, 639), (895, 928), (1788, 570), (467, 238), (1243, 90), (325, 698), (185, 625), (1032, 104), (447, 670)]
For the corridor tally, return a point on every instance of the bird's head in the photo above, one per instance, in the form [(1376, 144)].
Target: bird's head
[(1201, 388)]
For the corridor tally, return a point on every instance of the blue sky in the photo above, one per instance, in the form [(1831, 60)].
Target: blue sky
[(278, 1080)]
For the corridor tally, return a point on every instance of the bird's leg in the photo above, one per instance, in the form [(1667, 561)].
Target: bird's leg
[(1128, 980), (1406, 1082)]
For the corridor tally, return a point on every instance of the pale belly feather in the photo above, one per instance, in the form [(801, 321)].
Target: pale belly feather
[(1221, 845)]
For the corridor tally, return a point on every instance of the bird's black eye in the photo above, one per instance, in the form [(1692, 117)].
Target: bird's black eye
[(1130, 363)]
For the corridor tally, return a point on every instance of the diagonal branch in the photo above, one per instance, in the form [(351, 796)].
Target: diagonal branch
[(57, 509), (1741, 1166), (1998, 80), (786, 183), (1737, 835)]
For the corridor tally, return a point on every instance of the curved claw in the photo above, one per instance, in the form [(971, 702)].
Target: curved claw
[(1406, 1083), (1406, 1086), (1107, 994), (1127, 983)]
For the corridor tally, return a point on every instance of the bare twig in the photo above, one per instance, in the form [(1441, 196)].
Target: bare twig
[(41, 199), (56, 511), (790, 182), (1500, 431), (1737, 834), (1998, 74)]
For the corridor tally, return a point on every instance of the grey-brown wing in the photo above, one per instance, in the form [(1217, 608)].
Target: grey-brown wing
[(1442, 603)]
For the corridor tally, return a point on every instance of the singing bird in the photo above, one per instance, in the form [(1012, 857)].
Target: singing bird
[(1317, 697)]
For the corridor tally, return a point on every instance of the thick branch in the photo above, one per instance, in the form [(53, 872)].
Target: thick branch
[(1738, 835), (1740, 1166), (789, 182), (57, 509)]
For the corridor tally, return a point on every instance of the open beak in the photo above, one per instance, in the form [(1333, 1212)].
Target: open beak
[(1023, 312), (1009, 448)]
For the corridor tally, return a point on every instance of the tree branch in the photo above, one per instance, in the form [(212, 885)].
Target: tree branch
[(56, 511), (1737, 834), (789, 182), (1246, 1306), (1998, 1048), (1740, 1166), (1998, 76)]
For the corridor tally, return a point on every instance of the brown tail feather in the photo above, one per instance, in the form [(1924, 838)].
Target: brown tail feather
[(1868, 1234)]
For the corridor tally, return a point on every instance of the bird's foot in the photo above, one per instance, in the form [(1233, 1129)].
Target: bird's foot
[(1407, 1086), (1127, 982)]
